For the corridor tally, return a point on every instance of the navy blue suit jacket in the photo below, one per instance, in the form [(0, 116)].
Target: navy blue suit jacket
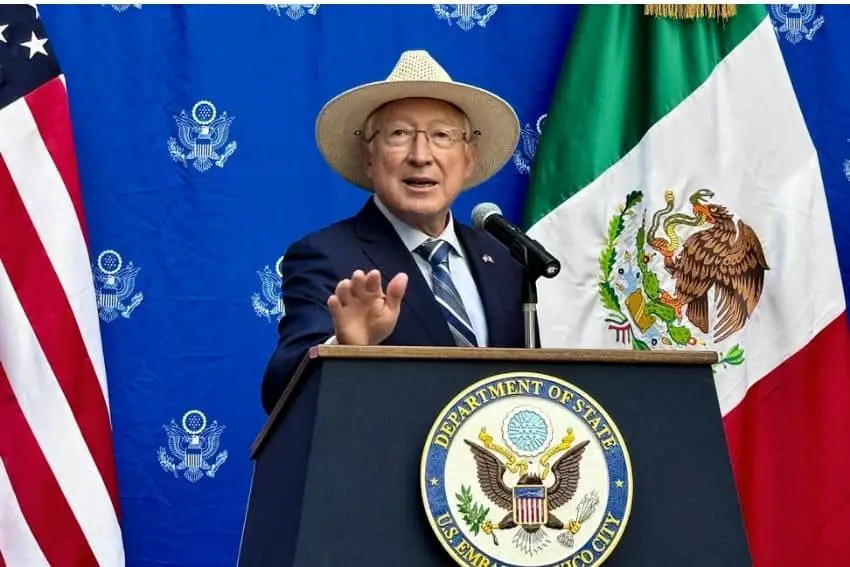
[(312, 267)]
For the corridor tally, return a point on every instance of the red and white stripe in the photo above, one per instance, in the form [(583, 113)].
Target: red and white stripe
[(58, 487), (787, 443), (529, 510)]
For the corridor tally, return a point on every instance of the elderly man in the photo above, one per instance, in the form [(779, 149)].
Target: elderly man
[(403, 271)]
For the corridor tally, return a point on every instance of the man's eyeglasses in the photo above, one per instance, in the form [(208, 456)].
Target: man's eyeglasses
[(442, 137)]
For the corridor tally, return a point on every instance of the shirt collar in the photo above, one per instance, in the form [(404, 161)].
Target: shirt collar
[(413, 237)]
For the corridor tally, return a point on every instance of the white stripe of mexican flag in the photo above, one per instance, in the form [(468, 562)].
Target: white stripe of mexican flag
[(694, 152)]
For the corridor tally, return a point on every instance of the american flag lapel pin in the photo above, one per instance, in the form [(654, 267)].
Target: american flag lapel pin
[(487, 259)]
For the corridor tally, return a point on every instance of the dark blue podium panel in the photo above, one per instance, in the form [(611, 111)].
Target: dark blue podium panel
[(338, 472)]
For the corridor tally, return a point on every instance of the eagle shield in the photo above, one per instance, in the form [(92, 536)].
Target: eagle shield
[(530, 505)]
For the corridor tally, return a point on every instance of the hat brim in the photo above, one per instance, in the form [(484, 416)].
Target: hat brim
[(493, 120)]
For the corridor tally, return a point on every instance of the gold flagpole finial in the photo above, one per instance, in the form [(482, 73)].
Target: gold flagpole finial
[(690, 11)]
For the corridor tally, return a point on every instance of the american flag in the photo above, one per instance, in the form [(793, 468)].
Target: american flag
[(58, 486), (530, 505)]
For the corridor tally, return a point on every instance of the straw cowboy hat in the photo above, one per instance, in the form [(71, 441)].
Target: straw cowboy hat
[(495, 125)]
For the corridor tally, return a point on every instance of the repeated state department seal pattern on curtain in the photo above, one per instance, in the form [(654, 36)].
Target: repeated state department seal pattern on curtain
[(195, 140), (194, 128)]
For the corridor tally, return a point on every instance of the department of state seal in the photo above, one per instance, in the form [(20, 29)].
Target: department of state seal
[(526, 470)]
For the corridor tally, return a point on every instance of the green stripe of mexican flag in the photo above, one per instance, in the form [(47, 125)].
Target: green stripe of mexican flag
[(677, 182), (623, 73)]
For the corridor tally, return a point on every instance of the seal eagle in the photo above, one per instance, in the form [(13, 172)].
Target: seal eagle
[(491, 473)]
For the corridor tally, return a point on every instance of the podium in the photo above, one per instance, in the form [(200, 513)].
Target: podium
[(339, 463)]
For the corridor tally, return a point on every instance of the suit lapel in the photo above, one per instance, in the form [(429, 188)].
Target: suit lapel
[(487, 278), (385, 249)]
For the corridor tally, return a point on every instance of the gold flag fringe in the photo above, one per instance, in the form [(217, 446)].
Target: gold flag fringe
[(690, 11)]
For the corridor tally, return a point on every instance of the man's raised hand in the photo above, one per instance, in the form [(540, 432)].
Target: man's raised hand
[(363, 314)]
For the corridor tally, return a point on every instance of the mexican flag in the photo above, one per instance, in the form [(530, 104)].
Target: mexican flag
[(676, 181)]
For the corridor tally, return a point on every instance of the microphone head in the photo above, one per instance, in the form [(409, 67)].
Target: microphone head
[(482, 211)]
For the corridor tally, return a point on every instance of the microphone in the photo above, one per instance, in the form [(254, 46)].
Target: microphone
[(527, 251)]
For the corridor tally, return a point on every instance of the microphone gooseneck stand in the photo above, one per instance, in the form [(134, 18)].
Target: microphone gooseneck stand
[(529, 310), (529, 292)]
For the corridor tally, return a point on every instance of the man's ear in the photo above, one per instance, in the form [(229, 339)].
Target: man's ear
[(471, 158), (366, 158)]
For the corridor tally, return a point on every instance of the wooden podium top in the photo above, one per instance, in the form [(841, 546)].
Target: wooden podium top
[(619, 356), (616, 356)]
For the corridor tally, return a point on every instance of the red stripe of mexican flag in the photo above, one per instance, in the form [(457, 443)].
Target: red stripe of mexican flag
[(677, 182)]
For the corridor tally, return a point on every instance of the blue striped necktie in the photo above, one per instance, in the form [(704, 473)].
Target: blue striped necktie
[(436, 253)]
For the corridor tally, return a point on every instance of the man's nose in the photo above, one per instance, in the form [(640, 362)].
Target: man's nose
[(420, 149)]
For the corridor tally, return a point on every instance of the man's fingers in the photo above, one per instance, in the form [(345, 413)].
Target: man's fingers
[(361, 287), (395, 291), (334, 305), (344, 293), (373, 282), (358, 284)]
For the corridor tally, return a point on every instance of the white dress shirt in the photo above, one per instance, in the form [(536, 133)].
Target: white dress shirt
[(458, 268)]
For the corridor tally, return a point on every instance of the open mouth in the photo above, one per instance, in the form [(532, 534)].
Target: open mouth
[(418, 182)]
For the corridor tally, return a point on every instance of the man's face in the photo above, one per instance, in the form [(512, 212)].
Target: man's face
[(417, 178)]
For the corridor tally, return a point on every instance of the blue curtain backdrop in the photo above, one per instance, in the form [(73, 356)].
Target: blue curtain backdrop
[(193, 244)]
